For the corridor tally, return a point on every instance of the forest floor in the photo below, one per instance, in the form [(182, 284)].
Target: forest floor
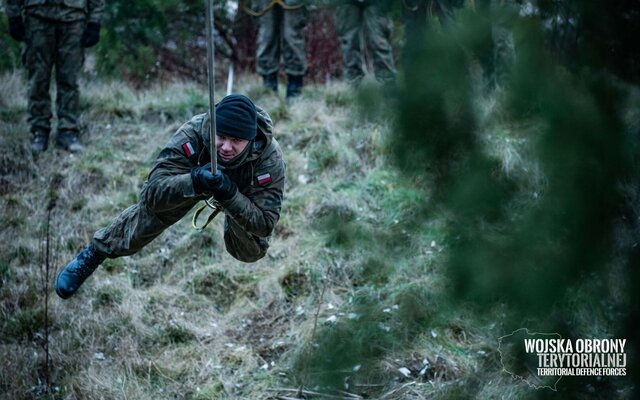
[(184, 320)]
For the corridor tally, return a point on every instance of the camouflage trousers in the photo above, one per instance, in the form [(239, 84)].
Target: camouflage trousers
[(354, 21), (166, 197), (280, 36), (53, 44)]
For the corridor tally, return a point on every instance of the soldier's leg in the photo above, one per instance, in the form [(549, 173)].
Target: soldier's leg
[(377, 30), (134, 228), (241, 245), (348, 25), (68, 61), (38, 59), (293, 49), (269, 43), (166, 197)]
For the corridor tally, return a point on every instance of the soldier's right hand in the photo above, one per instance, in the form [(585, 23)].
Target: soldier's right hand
[(16, 28), (219, 185)]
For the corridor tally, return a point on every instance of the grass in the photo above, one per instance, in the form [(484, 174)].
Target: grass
[(357, 246)]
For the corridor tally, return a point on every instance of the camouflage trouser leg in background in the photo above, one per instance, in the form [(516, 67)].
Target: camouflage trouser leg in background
[(280, 35), (166, 197), (354, 21), (348, 24), (377, 31), (49, 44), (293, 46)]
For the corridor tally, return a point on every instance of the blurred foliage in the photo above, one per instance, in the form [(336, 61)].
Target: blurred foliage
[(599, 33), (532, 252), (144, 39), (9, 48)]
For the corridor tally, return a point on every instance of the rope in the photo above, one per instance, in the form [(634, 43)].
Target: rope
[(281, 3), (210, 203)]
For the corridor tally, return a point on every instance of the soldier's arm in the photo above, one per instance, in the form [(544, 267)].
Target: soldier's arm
[(96, 10), (13, 8), (259, 213), (169, 183)]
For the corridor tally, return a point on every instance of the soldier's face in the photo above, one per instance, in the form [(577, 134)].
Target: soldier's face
[(229, 147)]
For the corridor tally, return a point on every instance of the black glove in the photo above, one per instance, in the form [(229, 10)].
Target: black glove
[(16, 28), (91, 35), (219, 185)]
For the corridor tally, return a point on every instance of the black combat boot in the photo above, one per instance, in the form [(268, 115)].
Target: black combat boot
[(294, 86), (271, 81), (68, 140), (39, 141), (79, 269)]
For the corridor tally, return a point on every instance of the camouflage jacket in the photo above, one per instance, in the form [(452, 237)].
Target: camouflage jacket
[(58, 10), (260, 176)]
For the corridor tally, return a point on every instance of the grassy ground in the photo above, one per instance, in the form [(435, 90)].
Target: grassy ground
[(182, 319)]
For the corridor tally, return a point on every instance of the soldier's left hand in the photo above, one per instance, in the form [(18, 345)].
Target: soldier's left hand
[(91, 35)]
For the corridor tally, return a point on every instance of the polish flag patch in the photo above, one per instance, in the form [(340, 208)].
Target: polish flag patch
[(264, 178), (188, 148)]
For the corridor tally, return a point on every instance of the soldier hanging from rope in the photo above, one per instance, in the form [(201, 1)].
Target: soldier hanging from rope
[(228, 155)]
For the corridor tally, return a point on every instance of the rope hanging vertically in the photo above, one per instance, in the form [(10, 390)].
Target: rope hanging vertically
[(211, 69)]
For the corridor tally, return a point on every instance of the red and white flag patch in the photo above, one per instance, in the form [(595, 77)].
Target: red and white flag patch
[(264, 178), (188, 148)]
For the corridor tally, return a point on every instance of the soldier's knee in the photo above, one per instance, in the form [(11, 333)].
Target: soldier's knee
[(248, 252)]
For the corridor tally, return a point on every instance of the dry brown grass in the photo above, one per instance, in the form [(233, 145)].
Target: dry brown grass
[(182, 319)]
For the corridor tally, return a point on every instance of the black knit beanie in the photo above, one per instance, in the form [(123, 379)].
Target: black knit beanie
[(236, 116)]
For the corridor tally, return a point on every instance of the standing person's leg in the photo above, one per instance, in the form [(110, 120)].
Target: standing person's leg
[(68, 61), (293, 49), (377, 31), (349, 27), (269, 44), (40, 43)]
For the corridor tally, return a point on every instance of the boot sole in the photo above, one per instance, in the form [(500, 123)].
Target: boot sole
[(60, 294)]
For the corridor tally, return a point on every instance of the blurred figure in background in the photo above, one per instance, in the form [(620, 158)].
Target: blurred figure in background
[(499, 58), (280, 25), (248, 189), (55, 33), (417, 14), (361, 19)]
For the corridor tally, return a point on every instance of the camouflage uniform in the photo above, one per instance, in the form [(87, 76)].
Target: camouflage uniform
[(356, 17), (53, 34), (168, 194), (280, 35)]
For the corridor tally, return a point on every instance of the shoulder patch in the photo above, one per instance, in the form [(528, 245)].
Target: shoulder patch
[(188, 149), (263, 178)]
